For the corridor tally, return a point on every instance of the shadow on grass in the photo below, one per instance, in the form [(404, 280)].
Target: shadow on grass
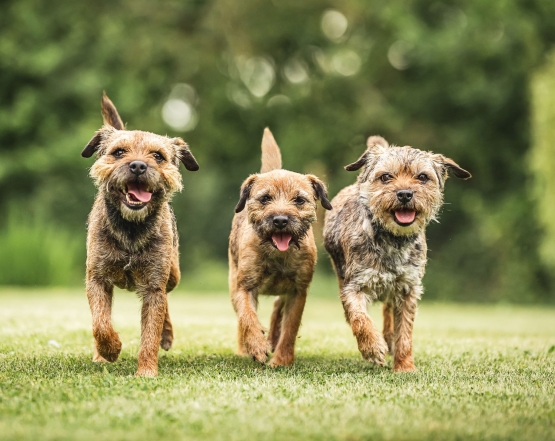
[(184, 366)]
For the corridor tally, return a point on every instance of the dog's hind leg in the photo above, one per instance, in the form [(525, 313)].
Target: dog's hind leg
[(167, 331), (106, 340), (371, 344), (388, 327), (292, 313), (275, 322)]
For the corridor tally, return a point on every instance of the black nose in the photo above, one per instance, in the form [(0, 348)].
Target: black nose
[(138, 167), (404, 196), (281, 221)]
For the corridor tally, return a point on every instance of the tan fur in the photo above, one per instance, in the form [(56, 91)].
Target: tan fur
[(378, 258), (133, 249), (257, 267)]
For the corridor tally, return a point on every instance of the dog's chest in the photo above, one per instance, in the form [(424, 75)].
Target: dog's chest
[(390, 273)]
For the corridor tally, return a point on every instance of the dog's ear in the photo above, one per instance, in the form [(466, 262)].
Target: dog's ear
[(95, 143), (320, 191), (376, 140), (110, 114), (375, 145), (185, 155), (447, 164), (245, 193), (457, 171)]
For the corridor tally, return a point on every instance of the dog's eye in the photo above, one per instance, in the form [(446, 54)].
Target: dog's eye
[(386, 177), (118, 153), (423, 177), (300, 201), (265, 200), (158, 157)]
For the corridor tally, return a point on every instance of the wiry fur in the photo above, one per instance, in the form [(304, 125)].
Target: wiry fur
[(133, 249), (257, 267), (374, 257)]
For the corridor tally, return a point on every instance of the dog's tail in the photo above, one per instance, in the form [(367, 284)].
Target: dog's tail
[(110, 114), (271, 156)]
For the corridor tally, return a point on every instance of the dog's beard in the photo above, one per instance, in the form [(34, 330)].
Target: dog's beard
[(283, 239), (136, 198)]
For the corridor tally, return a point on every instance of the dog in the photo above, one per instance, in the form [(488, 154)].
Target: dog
[(272, 251), (132, 240), (376, 238)]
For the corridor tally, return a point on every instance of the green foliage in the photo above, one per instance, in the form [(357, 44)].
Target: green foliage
[(445, 76), (32, 253), (543, 154), (484, 373)]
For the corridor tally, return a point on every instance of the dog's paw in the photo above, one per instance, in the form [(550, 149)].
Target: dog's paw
[(147, 372), (167, 340), (257, 347), (281, 360), (374, 350), (109, 348), (97, 358), (405, 365)]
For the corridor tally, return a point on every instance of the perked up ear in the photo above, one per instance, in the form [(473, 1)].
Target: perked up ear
[(457, 171), (96, 141), (376, 140), (110, 114), (245, 193), (185, 155), (321, 191)]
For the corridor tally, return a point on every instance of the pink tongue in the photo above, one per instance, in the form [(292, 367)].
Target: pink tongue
[(282, 241), (138, 192), (405, 216)]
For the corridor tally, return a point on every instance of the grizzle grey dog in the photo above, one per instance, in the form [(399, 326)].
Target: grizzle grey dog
[(375, 236)]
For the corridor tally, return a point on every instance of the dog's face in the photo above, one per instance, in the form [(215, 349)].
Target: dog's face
[(282, 205), (137, 171), (403, 186)]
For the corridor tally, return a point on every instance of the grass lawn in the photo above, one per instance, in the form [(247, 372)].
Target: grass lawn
[(484, 372)]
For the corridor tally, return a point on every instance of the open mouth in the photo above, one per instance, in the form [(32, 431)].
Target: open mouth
[(281, 240), (136, 195), (404, 217)]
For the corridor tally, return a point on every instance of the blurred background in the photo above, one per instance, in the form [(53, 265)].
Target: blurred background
[(473, 79)]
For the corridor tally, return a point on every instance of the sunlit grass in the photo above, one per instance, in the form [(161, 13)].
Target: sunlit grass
[(485, 372)]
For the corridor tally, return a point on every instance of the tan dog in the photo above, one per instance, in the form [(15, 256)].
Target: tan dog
[(132, 238), (376, 238), (272, 251)]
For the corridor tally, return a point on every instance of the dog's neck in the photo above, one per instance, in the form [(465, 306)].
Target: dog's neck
[(132, 236)]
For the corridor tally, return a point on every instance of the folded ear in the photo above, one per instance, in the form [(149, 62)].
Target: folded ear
[(320, 191), (376, 140), (457, 171), (245, 193), (375, 145), (185, 155), (110, 114), (96, 141)]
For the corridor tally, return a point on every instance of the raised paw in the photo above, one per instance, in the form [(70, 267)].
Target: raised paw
[(108, 348), (374, 350)]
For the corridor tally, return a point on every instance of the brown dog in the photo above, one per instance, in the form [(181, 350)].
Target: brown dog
[(376, 238), (272, 251), (132, 238)]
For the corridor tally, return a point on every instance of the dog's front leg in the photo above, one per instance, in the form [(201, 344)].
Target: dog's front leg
[(404, 311), (388, 326), (107, 344), (371, 344), (290, 323), (152, 322), (251, 334)]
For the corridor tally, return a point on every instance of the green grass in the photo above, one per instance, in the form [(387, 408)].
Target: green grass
[(485, 372)]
